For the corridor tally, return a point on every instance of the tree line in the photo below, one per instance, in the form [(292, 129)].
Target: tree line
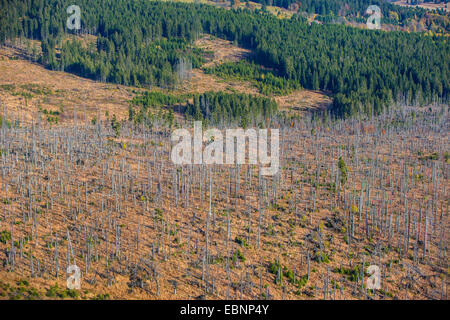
[(140, 43), (355, 9), (213, 108), (267, 81), (219, 108)]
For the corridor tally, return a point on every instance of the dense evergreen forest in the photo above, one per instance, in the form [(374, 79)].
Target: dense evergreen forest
[(215, 108), (267, 82), (221, 108), (329, 11), (139, 43), (354, 9)]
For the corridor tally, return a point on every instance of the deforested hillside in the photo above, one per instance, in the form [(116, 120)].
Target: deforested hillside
[(105, 196), (189, 151)]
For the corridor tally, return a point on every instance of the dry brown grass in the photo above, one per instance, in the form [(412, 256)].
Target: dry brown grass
[(223, 50), (65, 90)]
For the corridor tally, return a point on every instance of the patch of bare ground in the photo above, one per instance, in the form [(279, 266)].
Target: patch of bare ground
[(221, 50), (202, 82), (56, 91), (302, 100)]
